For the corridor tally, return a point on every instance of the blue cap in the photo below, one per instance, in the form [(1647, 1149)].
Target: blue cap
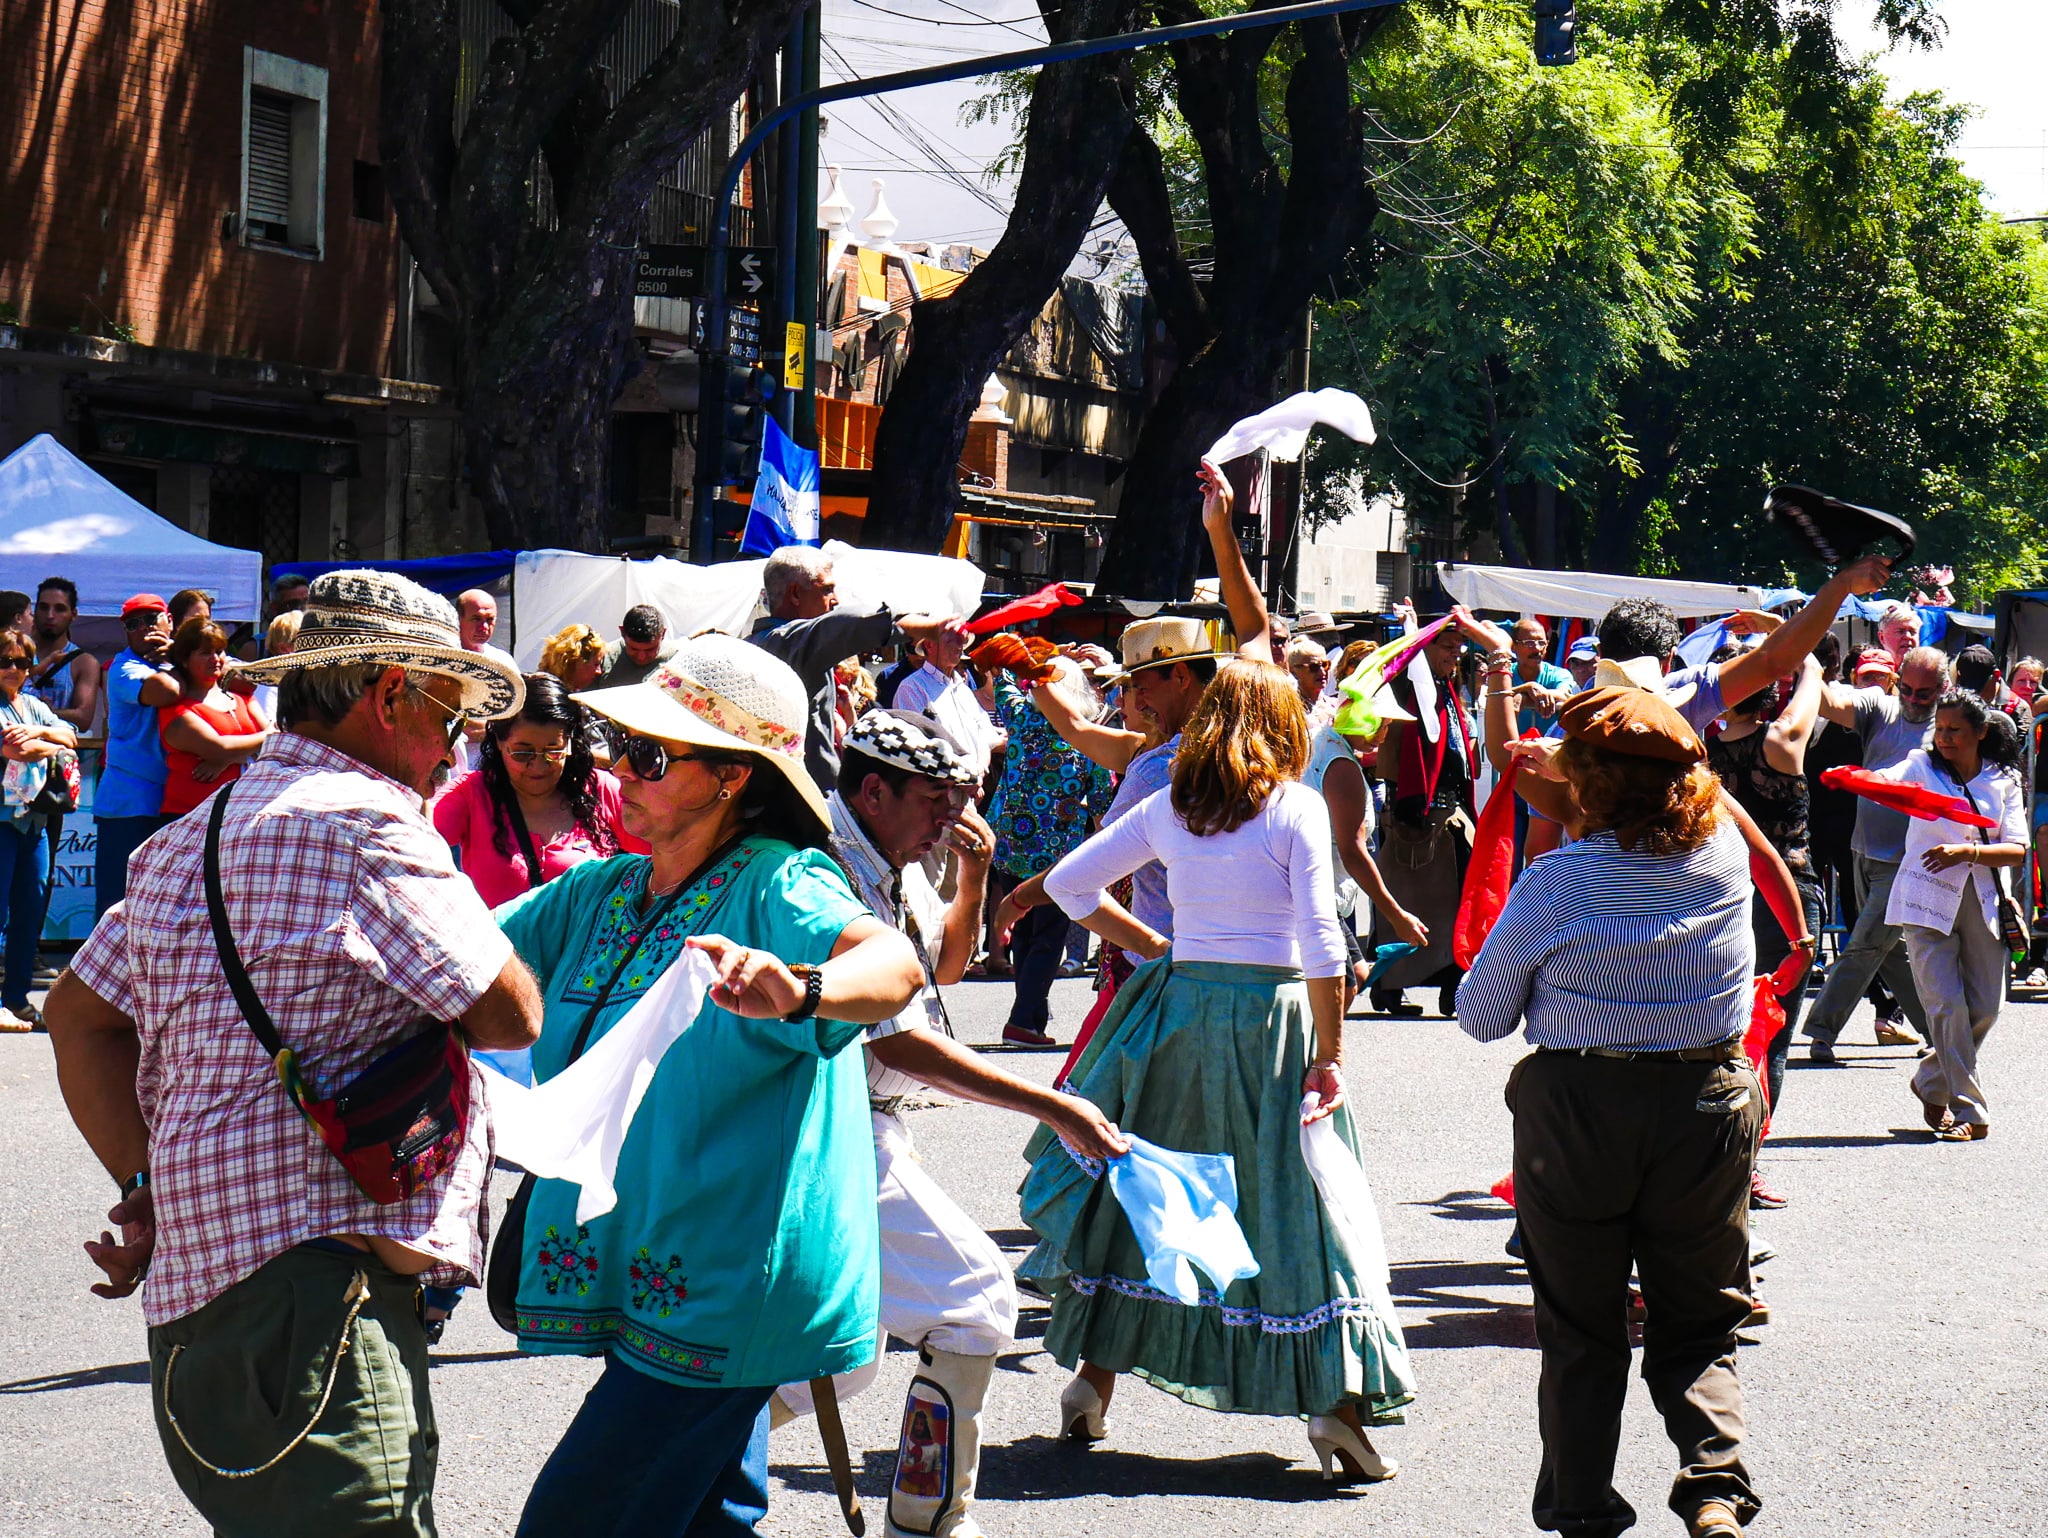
[(1585, 649)]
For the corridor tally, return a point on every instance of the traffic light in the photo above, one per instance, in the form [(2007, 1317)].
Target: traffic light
[(1557, 25), (747, 394)]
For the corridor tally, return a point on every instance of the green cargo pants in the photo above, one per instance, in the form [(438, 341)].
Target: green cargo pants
[(244, 1375)]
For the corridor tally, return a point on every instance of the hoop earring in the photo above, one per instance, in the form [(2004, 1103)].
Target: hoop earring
[(725, 795)]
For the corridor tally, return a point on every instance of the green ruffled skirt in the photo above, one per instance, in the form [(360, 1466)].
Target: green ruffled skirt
[(1208, 1057)]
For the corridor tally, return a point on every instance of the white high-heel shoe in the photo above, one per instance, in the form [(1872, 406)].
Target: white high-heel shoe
[(1081, 1413), (1337, 1443)]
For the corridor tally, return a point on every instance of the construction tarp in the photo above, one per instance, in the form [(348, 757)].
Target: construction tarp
[(1585, 594), (60, 518), (554, 588)]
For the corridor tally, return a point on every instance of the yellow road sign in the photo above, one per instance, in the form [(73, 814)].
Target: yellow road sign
[(795, 342)]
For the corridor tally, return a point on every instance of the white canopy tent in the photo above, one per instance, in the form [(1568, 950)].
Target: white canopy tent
[(61, 518), (554, 588), (1585, 594)]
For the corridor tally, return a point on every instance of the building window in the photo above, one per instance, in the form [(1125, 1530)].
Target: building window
[(284, 154), (367, 192)]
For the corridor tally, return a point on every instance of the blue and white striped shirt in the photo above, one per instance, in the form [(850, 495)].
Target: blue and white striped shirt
[(1600, 947)]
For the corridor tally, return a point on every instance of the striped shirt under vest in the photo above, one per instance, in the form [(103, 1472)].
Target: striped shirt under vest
[(1599, 947)]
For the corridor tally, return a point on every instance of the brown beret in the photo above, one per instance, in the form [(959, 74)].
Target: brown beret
[(1634, 722)]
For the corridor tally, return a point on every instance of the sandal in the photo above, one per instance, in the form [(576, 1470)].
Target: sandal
[(1957, 1132), (1936, 1116)]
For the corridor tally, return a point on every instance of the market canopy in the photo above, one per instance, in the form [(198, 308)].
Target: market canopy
[(1585, 594), (61, 518), (447, 575)]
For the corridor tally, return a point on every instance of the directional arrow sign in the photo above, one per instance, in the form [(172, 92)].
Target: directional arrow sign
[(750, 274)]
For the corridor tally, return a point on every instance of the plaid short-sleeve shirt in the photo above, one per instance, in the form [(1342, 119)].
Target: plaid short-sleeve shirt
[(355, 926)]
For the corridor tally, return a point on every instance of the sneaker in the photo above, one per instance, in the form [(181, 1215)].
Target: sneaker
[(1822, 1052), (1759, 1313), (1761, 1194), (1893, 1031), (1024, 1036)]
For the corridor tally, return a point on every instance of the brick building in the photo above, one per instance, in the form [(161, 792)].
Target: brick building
[(200, 275)]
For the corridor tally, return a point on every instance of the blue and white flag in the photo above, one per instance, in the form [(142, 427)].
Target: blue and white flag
[(785, 506)]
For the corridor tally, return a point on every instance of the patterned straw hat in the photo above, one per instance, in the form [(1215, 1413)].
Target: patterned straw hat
[(360, 617), (718, 691), (1158, 643)]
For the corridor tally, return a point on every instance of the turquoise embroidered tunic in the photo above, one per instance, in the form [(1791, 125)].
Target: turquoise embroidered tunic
[(743, 1250)]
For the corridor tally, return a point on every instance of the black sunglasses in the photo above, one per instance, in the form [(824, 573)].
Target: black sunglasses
[(457, 719), (648, 757)]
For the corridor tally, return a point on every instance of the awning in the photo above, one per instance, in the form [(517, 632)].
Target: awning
[(1585, 594)]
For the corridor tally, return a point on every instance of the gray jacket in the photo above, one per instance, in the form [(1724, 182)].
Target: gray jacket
[(814, 647)]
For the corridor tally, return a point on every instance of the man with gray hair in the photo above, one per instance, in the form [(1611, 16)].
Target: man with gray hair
[(281, 1299), (805, 628), (1891, 727)]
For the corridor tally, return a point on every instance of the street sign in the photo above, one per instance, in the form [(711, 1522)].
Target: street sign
[(669, 272), (677, 272), (750, 274), (795, 336), (742, 334)]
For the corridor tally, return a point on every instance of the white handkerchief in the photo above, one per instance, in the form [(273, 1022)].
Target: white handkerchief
[(572, 1127), (1282, 430)]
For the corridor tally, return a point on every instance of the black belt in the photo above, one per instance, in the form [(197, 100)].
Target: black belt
[(1716, 1052)]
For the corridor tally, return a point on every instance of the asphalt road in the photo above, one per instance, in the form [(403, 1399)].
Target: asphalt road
[(1897, 1392)]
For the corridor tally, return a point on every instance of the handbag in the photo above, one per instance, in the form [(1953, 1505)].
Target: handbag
[(393, 1127), (508, 1248)]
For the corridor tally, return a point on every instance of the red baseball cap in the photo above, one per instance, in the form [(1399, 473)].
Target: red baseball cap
[(142, 602)]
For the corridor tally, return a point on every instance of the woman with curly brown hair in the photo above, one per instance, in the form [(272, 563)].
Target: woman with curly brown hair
[(1228, 1045), (1629, 954)]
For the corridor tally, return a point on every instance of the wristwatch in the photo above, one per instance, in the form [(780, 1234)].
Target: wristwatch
[(814, 990), (135, 1182)]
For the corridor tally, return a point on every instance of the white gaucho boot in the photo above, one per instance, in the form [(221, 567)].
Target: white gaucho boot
[(938, 1457)]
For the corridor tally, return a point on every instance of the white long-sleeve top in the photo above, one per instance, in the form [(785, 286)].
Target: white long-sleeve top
[(1261, 893)]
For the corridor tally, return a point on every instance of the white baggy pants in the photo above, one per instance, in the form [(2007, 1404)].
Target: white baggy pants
[(944, 1282)]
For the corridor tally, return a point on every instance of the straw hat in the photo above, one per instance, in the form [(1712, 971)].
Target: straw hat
[(718, 691), (361, 617), (1156, 643)]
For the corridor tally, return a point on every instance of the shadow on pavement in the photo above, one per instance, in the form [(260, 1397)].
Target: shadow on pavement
[(79, 1377), (1852, 1139), (1466, 1206), (1464, 1322)]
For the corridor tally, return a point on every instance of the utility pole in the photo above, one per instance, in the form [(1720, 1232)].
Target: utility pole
[(711, 422), (804, 407)]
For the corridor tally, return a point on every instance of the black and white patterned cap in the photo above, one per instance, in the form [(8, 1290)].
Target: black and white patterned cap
[(916, 743)]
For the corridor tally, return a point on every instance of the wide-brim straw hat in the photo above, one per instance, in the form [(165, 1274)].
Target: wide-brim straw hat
[(356, 618), (1158, 643), (718, 691)]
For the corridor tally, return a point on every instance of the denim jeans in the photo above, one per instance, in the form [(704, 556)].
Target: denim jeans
[(649, 1459), (115, 839), (22, 888)]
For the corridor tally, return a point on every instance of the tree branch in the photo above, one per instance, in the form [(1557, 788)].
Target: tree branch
[(421, 62), (1141, 198)]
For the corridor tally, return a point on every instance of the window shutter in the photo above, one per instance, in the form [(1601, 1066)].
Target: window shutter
[(270, 166)]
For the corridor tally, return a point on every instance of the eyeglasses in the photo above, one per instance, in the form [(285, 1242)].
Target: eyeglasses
[(457, 719), (9, 664), (529, 756), (648, 757), (1920, 696)]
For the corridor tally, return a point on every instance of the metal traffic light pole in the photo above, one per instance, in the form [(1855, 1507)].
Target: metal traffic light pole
[(711, 412)]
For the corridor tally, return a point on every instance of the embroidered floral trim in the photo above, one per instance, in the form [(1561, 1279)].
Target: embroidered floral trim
[(568, 1264), (593, 1333), (1236, 1318), (618, 926), (656, 1284)]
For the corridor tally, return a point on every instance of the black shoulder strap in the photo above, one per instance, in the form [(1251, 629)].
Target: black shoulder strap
[(54, 666), (534, 875), (253, 1012)]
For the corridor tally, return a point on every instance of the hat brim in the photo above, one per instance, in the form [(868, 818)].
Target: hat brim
[(1124, 675), (646, 710), (491, 690)]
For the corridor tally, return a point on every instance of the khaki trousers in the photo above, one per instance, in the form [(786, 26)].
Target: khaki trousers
[(1644, 1164), (248, 1375), (1962, 982)]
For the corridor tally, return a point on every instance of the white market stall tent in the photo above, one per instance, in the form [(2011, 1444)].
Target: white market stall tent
[(1585, 594), (60, 518), (554, 588)]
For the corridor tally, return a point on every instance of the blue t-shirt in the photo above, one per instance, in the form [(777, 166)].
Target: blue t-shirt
[(1548, 676), (132, 777)]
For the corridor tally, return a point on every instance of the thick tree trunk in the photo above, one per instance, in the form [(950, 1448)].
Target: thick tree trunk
[(1077, 124)]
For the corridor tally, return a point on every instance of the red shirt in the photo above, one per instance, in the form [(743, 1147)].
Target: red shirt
[(182, 791), (465, 817)]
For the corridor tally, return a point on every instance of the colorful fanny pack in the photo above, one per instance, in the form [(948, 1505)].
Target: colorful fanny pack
[(398, 1123)]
